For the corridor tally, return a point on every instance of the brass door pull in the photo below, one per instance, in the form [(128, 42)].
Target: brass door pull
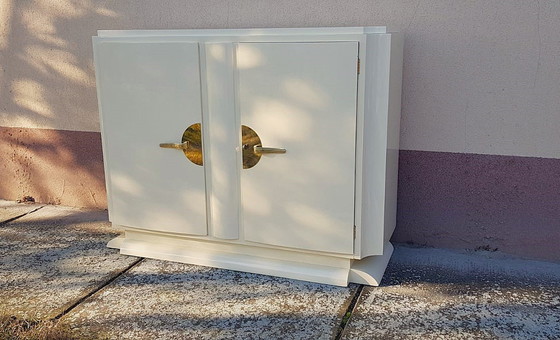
[(191, 144), (259, 150), (252, 147), (181, 146)]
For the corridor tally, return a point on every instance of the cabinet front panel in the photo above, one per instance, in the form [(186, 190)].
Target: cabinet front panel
[(150, 94), (300, 97)]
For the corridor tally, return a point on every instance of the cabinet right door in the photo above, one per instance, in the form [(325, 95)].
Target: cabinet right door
[(300, 97)]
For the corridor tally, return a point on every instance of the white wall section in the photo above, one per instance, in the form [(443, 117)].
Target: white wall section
[(479, 76)]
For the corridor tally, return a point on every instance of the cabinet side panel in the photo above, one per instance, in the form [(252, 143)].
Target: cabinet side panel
[(375, 143), (393, 133), (223, 133), (149, 93)]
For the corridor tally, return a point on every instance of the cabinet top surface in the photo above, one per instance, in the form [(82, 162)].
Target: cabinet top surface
[(245, 31)]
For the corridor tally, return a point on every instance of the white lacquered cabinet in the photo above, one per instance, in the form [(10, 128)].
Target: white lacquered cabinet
[(272, 151)]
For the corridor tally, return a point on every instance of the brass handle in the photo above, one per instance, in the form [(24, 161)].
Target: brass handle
[(182, 146), (252, 149), (259, 150)]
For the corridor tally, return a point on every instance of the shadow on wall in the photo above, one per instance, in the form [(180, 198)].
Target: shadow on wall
[(46, 81)]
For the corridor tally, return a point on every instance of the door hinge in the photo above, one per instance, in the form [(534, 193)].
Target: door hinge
[(354, 232), (358, 67)]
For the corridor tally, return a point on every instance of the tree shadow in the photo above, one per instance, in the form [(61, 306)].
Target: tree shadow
[(480, 271), (50, 260), (46, 81)]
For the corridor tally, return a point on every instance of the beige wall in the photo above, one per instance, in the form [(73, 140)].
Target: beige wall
[(479, 76)]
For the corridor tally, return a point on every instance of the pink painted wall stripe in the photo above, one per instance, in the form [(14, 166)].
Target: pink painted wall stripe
[(480, 201)]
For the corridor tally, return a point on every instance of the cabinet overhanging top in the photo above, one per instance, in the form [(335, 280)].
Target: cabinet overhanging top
[(244, 32)]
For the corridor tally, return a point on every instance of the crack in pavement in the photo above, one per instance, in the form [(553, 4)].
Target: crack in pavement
[(349, 311), (2, 223), (97, 290)]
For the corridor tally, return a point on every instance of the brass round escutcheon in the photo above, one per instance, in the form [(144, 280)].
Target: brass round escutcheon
[(249, 139), (252, 149), (192, 137)]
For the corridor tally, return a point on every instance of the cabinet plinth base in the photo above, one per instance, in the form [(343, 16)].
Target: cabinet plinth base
[(369, 270), (314, 267)]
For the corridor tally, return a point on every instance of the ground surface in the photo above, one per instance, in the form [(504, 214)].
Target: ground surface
[(439, 294), (54, 265)]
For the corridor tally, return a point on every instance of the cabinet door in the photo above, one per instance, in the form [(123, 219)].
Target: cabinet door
[(301, 97), (149, 93)]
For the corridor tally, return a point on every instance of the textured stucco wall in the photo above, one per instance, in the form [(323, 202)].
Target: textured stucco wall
[(52, 166), (489, 202), (479, 76)]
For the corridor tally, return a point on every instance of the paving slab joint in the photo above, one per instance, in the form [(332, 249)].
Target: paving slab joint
[(349, 311), (95, 291), (2, 223)]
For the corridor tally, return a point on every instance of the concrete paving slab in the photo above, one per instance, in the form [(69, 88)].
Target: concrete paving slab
[(10, 210), (166, 300), (439, 294), (53, 257)]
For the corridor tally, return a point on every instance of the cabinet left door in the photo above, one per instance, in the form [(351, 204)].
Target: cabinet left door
[(149, 93)]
